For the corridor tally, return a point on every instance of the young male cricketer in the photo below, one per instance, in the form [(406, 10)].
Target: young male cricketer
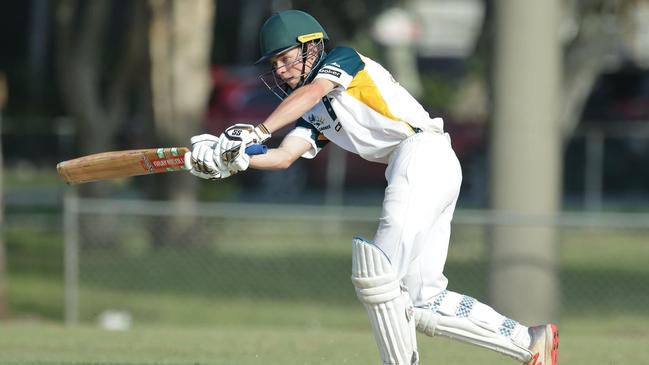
[(348, 99)]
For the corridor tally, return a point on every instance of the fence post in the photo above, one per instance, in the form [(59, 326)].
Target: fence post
[(71, 256)]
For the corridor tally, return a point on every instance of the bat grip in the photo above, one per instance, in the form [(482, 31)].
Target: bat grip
[(256, 149)]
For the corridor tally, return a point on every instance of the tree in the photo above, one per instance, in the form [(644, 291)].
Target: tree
[(539, 94), (103, 73), (180, 38), (593, 32), (102, 64), (140, 71), (525, 159)]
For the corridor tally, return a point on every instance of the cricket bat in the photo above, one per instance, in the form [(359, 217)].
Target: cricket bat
[(117, 164)]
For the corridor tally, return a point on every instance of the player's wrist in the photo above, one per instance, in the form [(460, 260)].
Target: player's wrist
[(262, 132)]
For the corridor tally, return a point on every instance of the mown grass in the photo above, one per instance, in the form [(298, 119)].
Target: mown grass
[(271, 300), (602, 271), (611, 341)]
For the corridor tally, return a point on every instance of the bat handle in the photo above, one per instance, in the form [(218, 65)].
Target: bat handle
[(256, 149)]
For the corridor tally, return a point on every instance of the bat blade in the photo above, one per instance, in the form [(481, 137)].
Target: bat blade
[(117, 164)]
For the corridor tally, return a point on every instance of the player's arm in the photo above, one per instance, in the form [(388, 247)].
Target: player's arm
[(283, 156), (207, 159), (297, 103)]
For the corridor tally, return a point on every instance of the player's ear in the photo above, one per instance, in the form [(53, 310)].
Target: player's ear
[(315, 47), (313, 50)]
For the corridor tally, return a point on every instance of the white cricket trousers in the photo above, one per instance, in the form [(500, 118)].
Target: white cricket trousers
[(424, 177)]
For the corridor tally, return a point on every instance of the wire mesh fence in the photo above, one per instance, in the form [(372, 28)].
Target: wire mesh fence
[(161, 261)]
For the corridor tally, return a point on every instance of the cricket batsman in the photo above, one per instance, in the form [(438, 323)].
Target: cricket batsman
[(343, 97)]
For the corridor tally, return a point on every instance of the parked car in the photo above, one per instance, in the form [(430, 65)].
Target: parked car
[(618, 110), (238, 96), (619, 96)]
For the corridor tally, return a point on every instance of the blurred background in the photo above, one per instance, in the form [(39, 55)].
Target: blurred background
[(547, 105)]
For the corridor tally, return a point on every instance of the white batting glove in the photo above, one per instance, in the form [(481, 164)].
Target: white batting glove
[(247, 133), (208, 139), (201, 160), (233, 154), (237, 138), (210, 175)]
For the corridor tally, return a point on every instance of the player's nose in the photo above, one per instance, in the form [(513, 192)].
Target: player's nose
[(279, 66), (283, 73)]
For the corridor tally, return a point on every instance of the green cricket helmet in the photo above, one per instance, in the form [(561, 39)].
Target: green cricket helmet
[(284, 31), (287, 29)]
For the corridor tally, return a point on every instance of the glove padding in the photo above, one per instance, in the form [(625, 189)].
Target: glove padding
[(220, 157), (247, 133), (204, 160), (233, 154), (234, 141)]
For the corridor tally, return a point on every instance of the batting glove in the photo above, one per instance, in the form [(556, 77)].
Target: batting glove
[(201, 160), (236, 138), (247, 133), (233, 154)]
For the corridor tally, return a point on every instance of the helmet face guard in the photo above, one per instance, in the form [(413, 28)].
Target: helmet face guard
[(284, 31), (310, 55)]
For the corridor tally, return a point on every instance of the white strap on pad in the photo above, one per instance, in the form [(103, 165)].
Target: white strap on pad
[(388, 306), (467, 330)]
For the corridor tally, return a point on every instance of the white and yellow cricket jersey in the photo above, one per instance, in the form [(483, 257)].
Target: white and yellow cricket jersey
[(368, 113)]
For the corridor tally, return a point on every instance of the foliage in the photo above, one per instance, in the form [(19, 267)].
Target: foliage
[(439, 91)]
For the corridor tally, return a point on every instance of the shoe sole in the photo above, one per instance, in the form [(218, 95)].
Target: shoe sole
[(552, 344)]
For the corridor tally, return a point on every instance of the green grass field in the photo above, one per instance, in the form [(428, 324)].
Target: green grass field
[(288, 301), (609, 341)]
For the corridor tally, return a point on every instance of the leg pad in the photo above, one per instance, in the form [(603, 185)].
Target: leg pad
[(388, 306), (465, 319)]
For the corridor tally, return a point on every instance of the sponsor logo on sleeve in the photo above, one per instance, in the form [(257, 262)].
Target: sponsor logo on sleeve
[(329, 71)]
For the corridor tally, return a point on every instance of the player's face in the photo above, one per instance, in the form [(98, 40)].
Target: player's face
[(290, 69), (288, 66)]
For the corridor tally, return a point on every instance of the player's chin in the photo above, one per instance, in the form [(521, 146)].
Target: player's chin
[(292, 83)]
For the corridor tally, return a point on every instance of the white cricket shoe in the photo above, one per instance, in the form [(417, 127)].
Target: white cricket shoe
[(544, 345)]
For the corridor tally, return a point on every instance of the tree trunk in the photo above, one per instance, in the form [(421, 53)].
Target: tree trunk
[(97, 90), (597, 44), (525, 153), (180, 38)]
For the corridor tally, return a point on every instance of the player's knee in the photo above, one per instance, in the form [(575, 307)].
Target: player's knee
[(372, 275)]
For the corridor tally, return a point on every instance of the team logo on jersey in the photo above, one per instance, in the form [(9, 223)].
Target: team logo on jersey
[(318, 122), (329, 71)]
